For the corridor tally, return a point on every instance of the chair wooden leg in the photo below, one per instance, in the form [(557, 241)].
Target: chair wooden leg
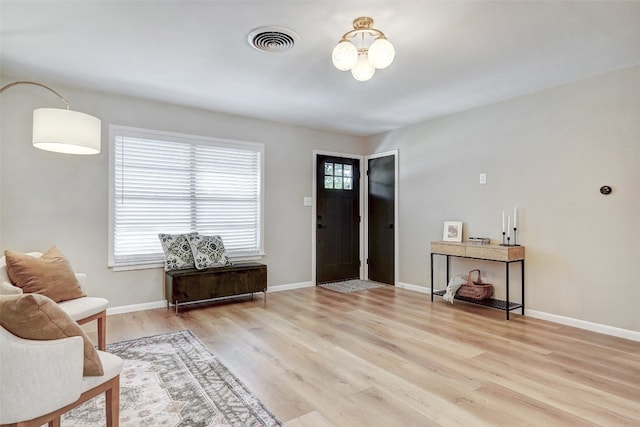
[(112, 404), (102, 331), (102, 328)]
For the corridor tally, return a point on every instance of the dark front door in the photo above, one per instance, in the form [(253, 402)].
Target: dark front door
[(338, 219), (381, 175)]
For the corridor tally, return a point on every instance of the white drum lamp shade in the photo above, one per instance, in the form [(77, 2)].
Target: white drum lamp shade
[(63, 131), (66, 131)]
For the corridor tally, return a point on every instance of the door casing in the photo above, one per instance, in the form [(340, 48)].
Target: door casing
[(363, 210)]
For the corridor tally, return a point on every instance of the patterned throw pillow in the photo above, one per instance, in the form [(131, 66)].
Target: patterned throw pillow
[(208, 251), (177, 251)]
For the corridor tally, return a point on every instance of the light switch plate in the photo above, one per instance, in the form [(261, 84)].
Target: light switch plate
[(483, 178), (308, 201)]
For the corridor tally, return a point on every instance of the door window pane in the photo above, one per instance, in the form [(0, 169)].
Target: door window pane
[(328, 168), (328, 182), (338, 176)]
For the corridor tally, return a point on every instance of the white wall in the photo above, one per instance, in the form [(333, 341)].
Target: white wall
[(48, 198), (547, 153)]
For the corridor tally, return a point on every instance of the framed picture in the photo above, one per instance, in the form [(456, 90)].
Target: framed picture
[(452, 231)]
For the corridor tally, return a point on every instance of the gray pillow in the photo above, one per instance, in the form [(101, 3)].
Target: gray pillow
[(208, 251), (177, 251)]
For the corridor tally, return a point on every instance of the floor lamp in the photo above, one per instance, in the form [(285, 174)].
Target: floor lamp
[(63, 131)]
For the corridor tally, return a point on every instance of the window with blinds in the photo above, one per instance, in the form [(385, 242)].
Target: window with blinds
[(173, 183)]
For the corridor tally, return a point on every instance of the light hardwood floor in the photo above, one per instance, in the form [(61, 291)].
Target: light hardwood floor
[(389, 357)]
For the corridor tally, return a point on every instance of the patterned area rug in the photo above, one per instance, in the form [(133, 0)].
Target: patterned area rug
[(173, 380), (355, 285)]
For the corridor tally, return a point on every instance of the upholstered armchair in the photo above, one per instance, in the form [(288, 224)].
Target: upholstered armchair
[(82, 310), (41, 380)]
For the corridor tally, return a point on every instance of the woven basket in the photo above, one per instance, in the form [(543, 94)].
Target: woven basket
[(475, 289)]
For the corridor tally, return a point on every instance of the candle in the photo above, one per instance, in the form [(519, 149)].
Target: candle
[(508, 226), (503, 221), (515, 217)]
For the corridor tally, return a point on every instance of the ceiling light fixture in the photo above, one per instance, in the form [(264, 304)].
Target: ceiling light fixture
[(63, 131), (363, 61)]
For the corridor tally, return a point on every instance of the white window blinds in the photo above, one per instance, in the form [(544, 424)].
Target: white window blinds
[(172, 183)]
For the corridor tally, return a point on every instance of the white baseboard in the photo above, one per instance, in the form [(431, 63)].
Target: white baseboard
[(136, 307), (416, 288), (278, 288), (583, 324), (568, 321)]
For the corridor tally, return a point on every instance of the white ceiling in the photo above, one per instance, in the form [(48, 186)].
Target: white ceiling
[(450, 55)]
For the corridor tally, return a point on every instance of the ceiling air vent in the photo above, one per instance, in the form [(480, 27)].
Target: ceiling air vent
[(272, 39)]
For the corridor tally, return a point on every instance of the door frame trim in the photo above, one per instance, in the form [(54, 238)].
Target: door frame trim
[(396, 226), (361, 158)]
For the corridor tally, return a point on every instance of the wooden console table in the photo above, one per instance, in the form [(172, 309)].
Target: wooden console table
[(505, 254)]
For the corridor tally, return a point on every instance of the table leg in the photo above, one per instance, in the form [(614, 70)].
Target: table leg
[(522, 281), (448, 270), (507, 285), (432, 278)]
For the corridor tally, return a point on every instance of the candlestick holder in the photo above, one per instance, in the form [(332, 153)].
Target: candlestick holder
[(508, 238)]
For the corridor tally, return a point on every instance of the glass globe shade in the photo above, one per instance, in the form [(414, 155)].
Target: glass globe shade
[(381, 53), (344, 56), (363, 70)]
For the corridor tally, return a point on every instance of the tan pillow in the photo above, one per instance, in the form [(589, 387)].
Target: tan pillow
[(49, 275), (36, 317)]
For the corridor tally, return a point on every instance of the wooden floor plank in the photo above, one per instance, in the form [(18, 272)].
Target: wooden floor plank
[(390, 357), (312, 419)]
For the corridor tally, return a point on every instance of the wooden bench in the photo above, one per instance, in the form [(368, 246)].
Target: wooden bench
[(192, 285)]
